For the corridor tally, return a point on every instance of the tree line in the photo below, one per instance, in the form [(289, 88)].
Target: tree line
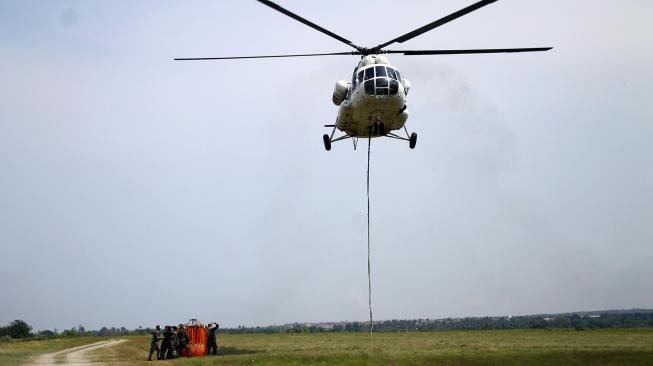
[(635, 318), (19, 329), (579, 321)]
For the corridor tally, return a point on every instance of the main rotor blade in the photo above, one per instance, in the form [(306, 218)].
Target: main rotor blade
[(309, 23), (436, 23), (268, 56), (471, 51)]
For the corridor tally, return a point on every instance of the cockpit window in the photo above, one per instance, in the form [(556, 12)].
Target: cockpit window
[(398, 75), (369, 73), (394, 87), (391, 73), (360, 77), (380, 71), (369, 87), (381, 91)]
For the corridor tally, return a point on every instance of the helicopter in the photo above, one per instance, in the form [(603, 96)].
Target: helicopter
[(373, 103)]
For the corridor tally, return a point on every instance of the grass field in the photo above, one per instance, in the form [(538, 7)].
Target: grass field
[(505, 347), (509, 347)]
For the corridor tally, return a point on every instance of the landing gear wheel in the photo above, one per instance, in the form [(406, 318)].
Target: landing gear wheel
[(413, 140), (375, 129), (327, 142), (381, 129)]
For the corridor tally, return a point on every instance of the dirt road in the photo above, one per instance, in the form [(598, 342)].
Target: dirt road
[(75, 355)]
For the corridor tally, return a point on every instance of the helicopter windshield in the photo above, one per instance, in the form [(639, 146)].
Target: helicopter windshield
[(391, 73), (369, 73), (379, 80)]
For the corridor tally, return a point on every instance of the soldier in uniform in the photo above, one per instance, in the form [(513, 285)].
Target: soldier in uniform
[(184, 346), (175, 342), (166, 345), (212, 344), (154, 346)]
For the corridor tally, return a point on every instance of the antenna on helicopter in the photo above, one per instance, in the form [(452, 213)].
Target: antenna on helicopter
[(364, 51)]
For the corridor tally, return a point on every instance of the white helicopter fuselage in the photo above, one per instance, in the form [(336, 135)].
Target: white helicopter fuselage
[(376, 94)]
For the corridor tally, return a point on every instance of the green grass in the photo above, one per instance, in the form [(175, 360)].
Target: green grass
[(506, 347), (19, 352)]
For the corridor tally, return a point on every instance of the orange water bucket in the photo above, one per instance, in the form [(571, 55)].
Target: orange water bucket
[(197, 335)]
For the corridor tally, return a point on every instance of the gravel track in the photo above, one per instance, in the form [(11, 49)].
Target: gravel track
[(75, 355)]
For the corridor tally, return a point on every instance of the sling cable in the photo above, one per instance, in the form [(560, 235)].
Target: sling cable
[(369, 272)]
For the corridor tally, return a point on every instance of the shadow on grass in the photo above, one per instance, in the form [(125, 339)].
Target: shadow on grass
[(226, 351)]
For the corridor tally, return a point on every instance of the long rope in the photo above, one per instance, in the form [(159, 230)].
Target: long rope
[(369, 272)]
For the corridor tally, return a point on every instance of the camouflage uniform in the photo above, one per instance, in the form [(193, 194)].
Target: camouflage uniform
[(212, 344), (184, 346), (154, 346), (166, 345), (175, 342)]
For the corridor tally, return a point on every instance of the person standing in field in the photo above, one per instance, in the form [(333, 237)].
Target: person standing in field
[(154, 346), (182, 337), (175, 342), (166, 345), (212, 342)]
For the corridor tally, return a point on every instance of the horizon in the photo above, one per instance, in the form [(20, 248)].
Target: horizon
[(609, 311)]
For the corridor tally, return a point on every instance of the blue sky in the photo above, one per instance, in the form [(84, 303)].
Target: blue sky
[(137, 190)]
